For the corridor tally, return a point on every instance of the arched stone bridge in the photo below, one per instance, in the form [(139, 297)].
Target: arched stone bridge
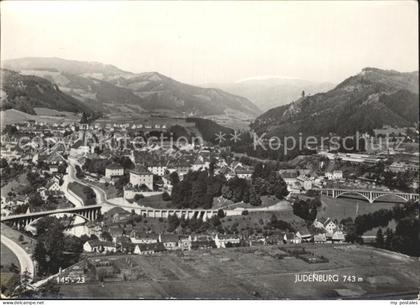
[(187, 214), (369, 195), (22, 220)]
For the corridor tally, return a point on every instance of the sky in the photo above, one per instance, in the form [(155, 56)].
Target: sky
[(218, 42)]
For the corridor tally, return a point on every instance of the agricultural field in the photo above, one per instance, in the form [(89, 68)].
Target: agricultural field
[(262, 273), (344, 207)]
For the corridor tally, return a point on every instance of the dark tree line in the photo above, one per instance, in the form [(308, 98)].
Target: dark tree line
[(54, 249)]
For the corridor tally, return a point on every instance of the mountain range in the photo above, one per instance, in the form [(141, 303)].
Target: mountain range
[(368, 100), (27, 92), (269, 92), (110, 89)]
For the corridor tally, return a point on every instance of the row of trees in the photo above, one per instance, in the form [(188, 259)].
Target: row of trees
[(195, 224)]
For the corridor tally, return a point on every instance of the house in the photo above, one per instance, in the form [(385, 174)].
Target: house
[(257, 241), (291, 179), (338, 237), (167, 182), (184, 242), (244, 173), (198, 165), (157, 169), (337, 175), (328, 175), (43, 192), (53, 169), (226, 240), (305, 182), (53, 186), (320, 238), (54, 159), (144, 238), (292, 238), (330, 226), (99, 246), (304, 235), (144, 249), (141, 176), (399, 167), (114, 170), (169, 241)]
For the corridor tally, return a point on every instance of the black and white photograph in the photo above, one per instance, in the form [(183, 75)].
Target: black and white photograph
[(209, 151)]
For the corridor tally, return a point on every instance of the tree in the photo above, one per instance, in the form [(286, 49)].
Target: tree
[(35, 200), (254, 198), (406, 237), (24, 288), (174, 178), (3, 163), (84, 119), (221, 213), (106, 236), (166, 196), (379, 238), (173, 222), (389, 235)]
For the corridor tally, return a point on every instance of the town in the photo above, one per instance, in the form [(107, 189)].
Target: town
[(209, 150), (109, 198)]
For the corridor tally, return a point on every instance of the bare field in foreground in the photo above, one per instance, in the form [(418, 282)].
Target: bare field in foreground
[(249, 273)]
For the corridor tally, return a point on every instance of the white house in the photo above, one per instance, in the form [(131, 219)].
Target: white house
[(141, 176), (144, 238), (330, 226), (114, 170), (157, 169), (305, 182), (337, 175), (338, 237), (99, 246), (53, 186), (222, 240), (144, 249), (169, 241), (244, 173)]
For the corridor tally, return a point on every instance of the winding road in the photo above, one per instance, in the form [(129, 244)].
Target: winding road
[(25, 260)]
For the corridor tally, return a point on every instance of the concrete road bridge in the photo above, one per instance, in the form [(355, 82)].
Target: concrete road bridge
[(369, 195), (22, 220)]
